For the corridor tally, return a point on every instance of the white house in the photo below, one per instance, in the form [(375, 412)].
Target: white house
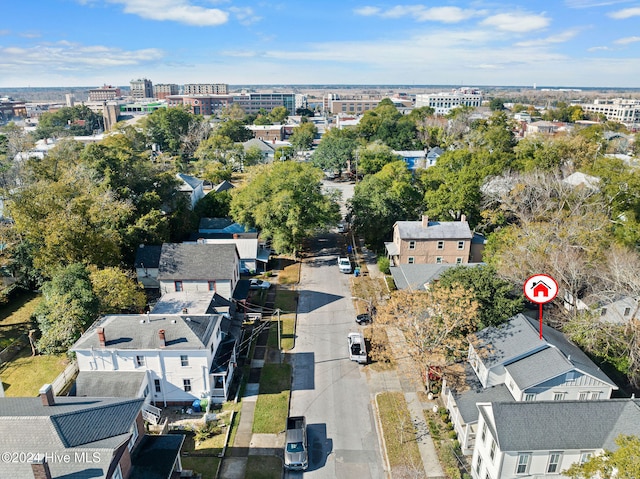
[(192, 187), (512, 362), (254, 254), (543, 439), (146, 263), (185, 357)]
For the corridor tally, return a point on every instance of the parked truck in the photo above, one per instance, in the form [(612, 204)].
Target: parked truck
[(296, 457), (357, 348)]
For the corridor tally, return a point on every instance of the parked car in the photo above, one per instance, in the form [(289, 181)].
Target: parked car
[(295, 448), (357, 348), (344, 265), (259, 284), (364, 318), (342, 228)]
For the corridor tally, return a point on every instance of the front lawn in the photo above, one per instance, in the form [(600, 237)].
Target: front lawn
[(272, 405), (24, 375), (264, 467)]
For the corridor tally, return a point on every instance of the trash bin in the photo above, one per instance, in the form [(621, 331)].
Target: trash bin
[(204, 403), (196, 405), (356, 271)]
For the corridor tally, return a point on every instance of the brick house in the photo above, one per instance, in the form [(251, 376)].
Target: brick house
[(425, 241)]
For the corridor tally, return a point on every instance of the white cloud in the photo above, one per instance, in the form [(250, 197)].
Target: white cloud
[(421, 13), (67, 56), (180, 11), (559, 38), (627, 40), (592, 3), (625, 13), (597, 49), (245, 15), (517, 22)]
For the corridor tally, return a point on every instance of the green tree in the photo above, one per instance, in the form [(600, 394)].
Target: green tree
[(214, 205), (283, 153), (69, 305), (381, 199), (286, 202), (303, 135), (167, 127), (623, 463), (117, 292), (69, 121), (496, 104), (498, 299), (236, 130), (278, 115), (374, 156), (336, 150)]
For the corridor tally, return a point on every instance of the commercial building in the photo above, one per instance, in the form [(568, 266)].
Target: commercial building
[(625, 111), (163, 90), (205, 89), (444, 102), (251, 103), (104, 93), (141, 88)]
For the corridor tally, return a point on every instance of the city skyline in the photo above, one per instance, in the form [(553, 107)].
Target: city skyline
[(580, 43)]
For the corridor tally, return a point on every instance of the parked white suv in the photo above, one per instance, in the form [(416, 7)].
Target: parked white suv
[(344, 265)]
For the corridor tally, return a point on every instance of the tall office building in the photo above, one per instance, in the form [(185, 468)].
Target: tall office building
[(163, 90), (141, 88), (206, 89)]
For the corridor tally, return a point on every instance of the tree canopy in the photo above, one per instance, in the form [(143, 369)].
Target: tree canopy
[(286, 202), (623, 463)]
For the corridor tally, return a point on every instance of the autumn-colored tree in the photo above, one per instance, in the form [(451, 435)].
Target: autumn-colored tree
[(435, 323), (117, 291)]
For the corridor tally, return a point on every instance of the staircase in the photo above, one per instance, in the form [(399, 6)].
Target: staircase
[(151, 414)]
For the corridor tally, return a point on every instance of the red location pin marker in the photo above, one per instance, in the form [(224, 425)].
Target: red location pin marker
[(540, 288)]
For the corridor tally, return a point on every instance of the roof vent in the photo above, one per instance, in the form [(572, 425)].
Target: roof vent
[(187, 319), (173, 321), (142, 321)]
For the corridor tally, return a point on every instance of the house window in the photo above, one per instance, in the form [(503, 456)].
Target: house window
[(523, 462), (558, 396), (603, 311), (571, 375), (184, 360), (440, 244), (212, 285), (412, 245), (134, 435), (178, 285), (186, 383), (483, 435), (492, 452), (479, 464), (156, 383), (139, 361), (584, 456), (627, 311), (117, 474), (410, 260), (583, 396), (458, 260), (460, 244), (595, 395), (529, 397), (554, 461), (438, 259)]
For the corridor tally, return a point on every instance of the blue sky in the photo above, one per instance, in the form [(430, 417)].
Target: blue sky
[(475, 43)]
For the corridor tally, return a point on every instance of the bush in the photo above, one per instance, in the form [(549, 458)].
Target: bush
[(206, 431), (452, 434), (383, 264)]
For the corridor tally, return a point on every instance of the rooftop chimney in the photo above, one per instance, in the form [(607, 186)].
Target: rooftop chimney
[(101, 337), (46, 394), (40, 468), (425, 221), (162, 338)]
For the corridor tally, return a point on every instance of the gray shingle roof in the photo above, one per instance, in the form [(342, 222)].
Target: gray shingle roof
[(128, 332), (148, 256), (467, 400), (190, 182), (539, 367), (435, 230), (561, 425), (181, 261), (72, 425), (122, 384), (415, 276), (509, 341)]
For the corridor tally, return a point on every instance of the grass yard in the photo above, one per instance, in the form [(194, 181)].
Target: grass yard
[(289, 272), (24, 375), (272, 405), (399, 435), (15, 317), (264, 467), (206, 466), (287, 301)]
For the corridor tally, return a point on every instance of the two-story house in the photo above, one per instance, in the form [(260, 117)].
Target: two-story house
[(71, 437), (254, 254), (184, 356), (542, 439), (199, 267), (511, 362), (425, 241), (191, 187)]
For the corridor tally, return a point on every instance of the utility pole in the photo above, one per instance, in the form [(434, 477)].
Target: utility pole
[(279, 338)]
